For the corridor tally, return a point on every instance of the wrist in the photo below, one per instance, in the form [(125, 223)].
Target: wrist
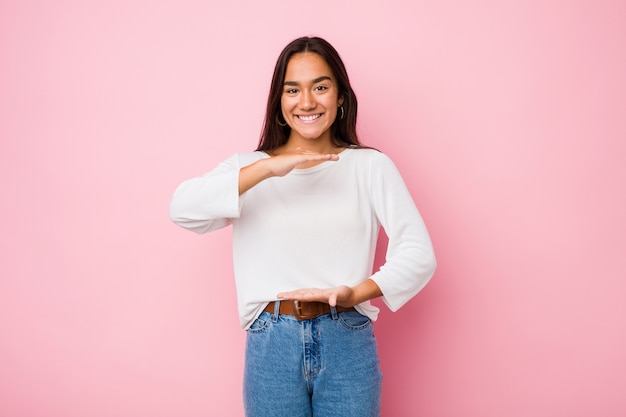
[(264, 167), (364, 291)]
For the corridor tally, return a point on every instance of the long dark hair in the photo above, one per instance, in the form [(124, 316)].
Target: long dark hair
[(343, 130)]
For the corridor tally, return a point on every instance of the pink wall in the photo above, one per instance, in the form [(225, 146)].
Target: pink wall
[(507, 119)]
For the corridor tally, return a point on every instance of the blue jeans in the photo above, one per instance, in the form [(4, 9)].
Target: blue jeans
[(324, 367)]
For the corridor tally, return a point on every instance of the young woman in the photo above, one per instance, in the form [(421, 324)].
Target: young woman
[(306, 208)]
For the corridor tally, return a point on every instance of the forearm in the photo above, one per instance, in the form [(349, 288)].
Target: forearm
[(251, 175)]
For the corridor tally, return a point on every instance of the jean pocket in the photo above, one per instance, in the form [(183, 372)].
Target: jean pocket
[(353, 320), (259, 325)]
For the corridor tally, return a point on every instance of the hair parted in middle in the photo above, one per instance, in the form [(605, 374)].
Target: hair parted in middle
[(343, 130)]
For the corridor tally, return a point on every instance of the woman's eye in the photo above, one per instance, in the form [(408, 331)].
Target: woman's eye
[(291, 91), (321, 88)]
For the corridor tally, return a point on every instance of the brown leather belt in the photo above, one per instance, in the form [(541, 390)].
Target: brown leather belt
[(304, 310)]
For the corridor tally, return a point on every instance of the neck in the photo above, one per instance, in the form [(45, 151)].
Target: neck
[(320, 145)]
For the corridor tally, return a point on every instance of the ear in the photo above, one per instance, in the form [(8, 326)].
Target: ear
[(340, 101)]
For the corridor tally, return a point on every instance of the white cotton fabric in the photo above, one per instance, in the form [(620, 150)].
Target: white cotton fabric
[(313, 228)]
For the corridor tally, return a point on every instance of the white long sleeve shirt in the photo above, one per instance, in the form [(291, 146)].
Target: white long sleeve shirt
[(313, 228)]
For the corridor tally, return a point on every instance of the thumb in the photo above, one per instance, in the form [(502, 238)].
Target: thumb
[(332, 300)]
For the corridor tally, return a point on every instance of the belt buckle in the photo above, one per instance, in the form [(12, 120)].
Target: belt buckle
[(299, 315)]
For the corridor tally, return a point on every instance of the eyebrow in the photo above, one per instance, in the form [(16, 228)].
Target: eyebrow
[(315, 81)]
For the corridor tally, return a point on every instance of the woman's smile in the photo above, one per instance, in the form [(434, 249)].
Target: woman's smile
[(309, 118)]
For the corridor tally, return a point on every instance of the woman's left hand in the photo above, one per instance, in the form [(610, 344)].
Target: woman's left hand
[(342, 296)]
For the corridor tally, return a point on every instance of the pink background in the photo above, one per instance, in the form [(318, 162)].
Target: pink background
[(507, 119)]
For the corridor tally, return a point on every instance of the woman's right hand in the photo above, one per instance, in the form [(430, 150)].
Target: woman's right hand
[(279, 166), (283, 163)]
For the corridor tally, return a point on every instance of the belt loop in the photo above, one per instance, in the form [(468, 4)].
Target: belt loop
[(333, 313), (276, 311)]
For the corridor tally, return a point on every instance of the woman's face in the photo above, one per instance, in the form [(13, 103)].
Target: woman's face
[(310, 97)]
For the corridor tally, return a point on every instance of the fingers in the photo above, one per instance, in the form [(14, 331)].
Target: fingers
[(305, 294), (283, 164), (314, 156), (330, 295), (308, 156)]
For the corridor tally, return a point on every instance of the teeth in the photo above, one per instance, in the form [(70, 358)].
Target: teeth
[(309, 118)]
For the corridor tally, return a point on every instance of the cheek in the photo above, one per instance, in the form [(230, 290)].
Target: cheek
[(332, 110), (285, 104), (332, 104)]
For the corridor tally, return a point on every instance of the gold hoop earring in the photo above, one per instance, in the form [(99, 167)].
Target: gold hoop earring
[(342, 112), (279, 123)]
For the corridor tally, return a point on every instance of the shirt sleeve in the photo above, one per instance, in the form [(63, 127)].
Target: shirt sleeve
[(410, 260), (209, 202)]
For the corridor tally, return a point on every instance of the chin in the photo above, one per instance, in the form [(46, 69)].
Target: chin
[(313, 135)]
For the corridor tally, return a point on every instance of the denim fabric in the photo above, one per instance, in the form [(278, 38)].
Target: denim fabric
[(325, 367)]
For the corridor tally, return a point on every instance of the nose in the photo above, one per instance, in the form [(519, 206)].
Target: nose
[(307, 101)]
